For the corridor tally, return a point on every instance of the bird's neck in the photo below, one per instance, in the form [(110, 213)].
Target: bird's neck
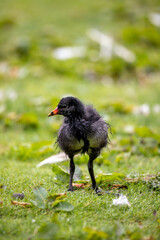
[(75, 116), (73, 119)]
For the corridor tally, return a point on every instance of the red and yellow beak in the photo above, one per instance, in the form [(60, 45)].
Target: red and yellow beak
[(54, 112)]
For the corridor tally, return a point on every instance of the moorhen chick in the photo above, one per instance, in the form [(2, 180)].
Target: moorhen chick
[(83, 131)]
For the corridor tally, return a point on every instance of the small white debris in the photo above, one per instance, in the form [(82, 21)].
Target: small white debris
[(108, 46), (122, 200), (124, 53), (156, 108), (143, 109), (65, 53), (22, 73), (2, 108), (11, 94), (155, 19), (105, 42), (129, 129), (1, 95), (60, 157), (4, 68), (33, 220), (38, 101)]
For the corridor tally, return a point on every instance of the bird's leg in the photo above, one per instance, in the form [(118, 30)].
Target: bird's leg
[(92, 156), (91, 172), (72, 169)]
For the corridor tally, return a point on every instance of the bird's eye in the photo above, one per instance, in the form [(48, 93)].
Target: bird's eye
[(62, 106)]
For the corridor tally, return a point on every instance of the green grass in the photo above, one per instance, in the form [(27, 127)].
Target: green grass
[(32, 86)]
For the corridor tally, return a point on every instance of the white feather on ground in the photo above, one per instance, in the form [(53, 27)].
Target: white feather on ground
[(60, 157), (122, 200)]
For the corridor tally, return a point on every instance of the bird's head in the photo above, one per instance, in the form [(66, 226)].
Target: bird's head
[(69, 107)]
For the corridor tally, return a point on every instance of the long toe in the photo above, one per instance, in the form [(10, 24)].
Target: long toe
[(98, 191)]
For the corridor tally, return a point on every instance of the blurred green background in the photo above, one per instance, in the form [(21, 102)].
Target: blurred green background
[(33, 79)]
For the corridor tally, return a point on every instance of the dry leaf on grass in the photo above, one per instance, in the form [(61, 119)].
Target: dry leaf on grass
[(23, 204), (145, 178), (78, 185), (61, 194), (118, 186)]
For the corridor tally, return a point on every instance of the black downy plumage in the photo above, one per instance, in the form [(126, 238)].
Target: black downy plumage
[(83, 131)]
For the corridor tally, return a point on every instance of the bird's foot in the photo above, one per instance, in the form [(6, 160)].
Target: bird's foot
[(98, 191), (70, 189)]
